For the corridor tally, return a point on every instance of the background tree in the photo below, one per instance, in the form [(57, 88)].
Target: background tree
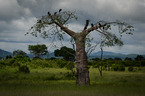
[(127, 58), (38, 50), (19, 52), (117, 59), (56, 24), (67, 53), (8, 57), (139, 58)]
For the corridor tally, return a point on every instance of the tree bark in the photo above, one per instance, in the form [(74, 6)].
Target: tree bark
[(81, 56), (81, 61)]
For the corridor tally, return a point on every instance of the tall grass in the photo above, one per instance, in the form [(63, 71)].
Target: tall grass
[(53, 82)]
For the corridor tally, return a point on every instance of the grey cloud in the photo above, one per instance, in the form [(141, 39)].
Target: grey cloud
[(131, 10), (10, 10), (37, 7)]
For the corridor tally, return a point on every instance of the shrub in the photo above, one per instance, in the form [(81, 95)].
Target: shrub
[(114, 67), (17, 60), (69, 76), (22, 59), (130, 68), (24, 69), (117, 67), (121, 68), (61, 63), (2, 64), (143, 63), (70, 65), (51, 77), (35, 63)]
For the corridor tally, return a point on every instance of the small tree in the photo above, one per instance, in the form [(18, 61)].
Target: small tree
[(8, 57), (19, 52), (117, 59), (139, 58), (38, 50), (56, 24), (128, 59), (67, 53)]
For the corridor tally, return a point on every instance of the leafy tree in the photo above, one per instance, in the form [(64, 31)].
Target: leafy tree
[(130, 68), (118, 59), (20, 58), (143, 63), (1, 58), (95, 59), (38, 50), (67, 53), (110, 58), (8, 57), (56, 24), (127, 58), (139, 58), (19, 52)]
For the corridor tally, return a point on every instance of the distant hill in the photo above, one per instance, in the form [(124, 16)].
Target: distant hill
[(4, 53), (107, 54)]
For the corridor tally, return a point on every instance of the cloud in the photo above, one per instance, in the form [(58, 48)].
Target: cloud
[(16, 29), (10, 9)]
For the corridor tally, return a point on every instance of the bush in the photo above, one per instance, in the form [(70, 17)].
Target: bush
[(2, 64), (130, 68), (117, 67), (70, 65), (35, 63), (17, 60), (22, 59), (69, 76), (61, 63), (51, 77), (24, 69), (143, 63), (121, 68), (114, 67)]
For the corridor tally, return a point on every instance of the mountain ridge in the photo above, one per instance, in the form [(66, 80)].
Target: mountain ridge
[(4, 53), (106, 54)]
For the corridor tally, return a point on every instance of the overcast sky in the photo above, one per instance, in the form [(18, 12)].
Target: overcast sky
[(17, 17)]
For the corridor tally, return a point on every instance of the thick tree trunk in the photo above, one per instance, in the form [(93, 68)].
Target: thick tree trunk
[(81, 61)]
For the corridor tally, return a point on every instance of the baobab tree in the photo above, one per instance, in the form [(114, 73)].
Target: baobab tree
[(56, 24)]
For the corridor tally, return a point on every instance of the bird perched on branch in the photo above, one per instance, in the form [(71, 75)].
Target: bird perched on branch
[(60, 10), (92, 25), (87, 23), (49, 13), (103, 27), (55, 13), (100, 25)]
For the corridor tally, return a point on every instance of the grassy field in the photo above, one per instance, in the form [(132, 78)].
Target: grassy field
[(56, 82)]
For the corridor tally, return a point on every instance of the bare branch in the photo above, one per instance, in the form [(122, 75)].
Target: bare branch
[(65, 29), (87, 23), (91, 49)]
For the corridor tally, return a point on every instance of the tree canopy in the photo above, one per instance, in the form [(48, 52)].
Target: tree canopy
[(19, 52), (67, 53), (38, 50)]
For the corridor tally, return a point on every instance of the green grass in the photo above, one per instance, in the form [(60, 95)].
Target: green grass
[(52, 82)]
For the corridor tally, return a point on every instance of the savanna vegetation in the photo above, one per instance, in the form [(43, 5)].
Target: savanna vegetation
[(74, 75), (21, 76)]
